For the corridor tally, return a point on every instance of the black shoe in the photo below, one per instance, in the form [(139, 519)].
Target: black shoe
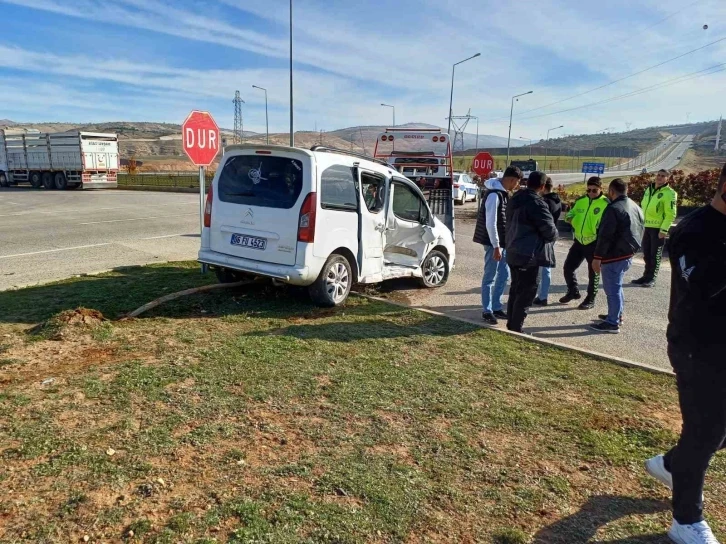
[(569, 297), (639, 281), (540, 302), (587, 304), (501, 314), (489, 319), (648, 284), (604, 326), (604, 317), (520, 331)]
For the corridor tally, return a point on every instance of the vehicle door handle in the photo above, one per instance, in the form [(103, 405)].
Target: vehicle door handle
[(381, 227)]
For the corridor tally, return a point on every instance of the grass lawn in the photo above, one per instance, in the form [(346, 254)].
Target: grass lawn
[(249, 416)]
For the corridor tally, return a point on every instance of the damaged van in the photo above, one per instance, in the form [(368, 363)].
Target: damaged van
[(321, 218)]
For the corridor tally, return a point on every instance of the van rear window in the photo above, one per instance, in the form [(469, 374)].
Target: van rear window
[(266, 181)]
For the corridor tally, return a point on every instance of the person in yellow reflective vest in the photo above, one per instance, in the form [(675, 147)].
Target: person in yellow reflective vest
[(659, 206), (584, 217)]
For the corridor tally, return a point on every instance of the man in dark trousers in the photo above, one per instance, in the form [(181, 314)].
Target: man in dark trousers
[(697, 351), (584, 216), (618, 239), (531, 234), (545, 272), (659, 207)]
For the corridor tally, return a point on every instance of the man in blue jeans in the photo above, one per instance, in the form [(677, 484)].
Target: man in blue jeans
[(619, 236), (490, 232)]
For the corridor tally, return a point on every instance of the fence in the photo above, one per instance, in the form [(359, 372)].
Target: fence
[(170, 179)]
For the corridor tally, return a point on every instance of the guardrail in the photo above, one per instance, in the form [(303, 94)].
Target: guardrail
[(163, 179)]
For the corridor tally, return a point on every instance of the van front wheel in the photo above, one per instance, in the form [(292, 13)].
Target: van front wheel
[(435, 270), (333, 284)]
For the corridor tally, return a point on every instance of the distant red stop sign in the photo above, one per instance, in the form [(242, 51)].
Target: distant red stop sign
[(200, 138), (483, 164)]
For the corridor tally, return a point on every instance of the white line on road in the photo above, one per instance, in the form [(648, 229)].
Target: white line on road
[(54, 250), (137, 219)]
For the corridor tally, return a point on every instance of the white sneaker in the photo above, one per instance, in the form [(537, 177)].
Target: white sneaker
[(696, 533), (656, 468)]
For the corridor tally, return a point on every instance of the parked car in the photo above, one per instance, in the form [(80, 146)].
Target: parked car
[(464, 188), (320, 218)]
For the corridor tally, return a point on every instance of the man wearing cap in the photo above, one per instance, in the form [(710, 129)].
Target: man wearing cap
[(490, 231), (659, 207), (585, 217), (697, 351)]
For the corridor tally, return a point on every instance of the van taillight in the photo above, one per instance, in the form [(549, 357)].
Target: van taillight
[(456, 185), (306, 226), (208, 208)]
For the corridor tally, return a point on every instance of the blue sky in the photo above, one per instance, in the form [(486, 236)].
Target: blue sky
[(154, 60)]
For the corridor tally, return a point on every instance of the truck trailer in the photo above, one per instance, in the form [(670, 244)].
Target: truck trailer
[(62, 160)]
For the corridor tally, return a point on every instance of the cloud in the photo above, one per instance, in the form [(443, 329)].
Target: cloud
[(348, 61)]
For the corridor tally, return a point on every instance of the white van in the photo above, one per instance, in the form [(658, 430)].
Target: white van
[(321, 218)]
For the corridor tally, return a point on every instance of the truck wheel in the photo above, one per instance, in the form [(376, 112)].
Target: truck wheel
[(35, 180), (47, 178), (333, 284), (435, 269), (60, 181), (225, 275), (3, 180)]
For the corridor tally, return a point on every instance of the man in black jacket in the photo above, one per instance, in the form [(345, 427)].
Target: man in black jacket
[(545, 272), (618, 239), (531, 234), (697, 351)]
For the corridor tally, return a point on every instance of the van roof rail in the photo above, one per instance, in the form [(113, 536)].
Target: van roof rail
[(327, 149)]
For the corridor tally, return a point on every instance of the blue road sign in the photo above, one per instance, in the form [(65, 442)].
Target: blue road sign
[(593, 167)]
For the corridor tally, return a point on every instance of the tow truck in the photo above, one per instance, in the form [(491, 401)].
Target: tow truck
[(424, 156)]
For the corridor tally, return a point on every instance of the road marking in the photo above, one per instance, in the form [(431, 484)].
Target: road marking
[(91, 209), (54, 250), (168, 236), (137, 219)]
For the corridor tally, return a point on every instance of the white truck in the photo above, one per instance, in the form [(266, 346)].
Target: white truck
[(63, 160)]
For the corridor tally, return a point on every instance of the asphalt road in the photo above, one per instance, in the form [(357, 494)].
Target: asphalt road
[(668, 161), (50, 235)]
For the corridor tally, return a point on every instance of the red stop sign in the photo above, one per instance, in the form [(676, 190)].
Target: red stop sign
[(200, 138), (483, 164)]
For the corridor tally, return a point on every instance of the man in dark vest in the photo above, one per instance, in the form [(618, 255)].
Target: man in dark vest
[(490, 232)]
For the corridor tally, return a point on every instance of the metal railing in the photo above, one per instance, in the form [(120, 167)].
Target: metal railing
[(164, 179)]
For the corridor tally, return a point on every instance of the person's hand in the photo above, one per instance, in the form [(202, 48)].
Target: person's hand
[(497, 254), (662, 235), (596, 265)]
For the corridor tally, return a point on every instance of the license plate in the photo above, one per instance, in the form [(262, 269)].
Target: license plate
[(251, 242)]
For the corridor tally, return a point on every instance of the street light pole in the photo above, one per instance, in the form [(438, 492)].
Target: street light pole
[(511, 113), (394, 112), (451, 97), (530, 144), (267, 119), (292, 130), (546, 141)]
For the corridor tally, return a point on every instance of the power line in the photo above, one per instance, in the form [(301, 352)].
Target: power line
[(659, 85), (620, 79)]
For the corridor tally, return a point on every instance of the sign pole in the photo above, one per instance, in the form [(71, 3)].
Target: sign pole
[(202, 202)]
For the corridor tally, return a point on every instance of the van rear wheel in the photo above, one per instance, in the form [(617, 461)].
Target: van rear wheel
[(435, 269), (333, 284)]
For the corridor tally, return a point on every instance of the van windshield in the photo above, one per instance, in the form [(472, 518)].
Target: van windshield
[(266, 181)]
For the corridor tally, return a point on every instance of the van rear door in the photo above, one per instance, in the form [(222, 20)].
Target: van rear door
[(256, 205)]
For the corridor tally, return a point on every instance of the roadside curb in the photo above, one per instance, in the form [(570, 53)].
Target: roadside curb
[(158, 189), (608, 358)]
